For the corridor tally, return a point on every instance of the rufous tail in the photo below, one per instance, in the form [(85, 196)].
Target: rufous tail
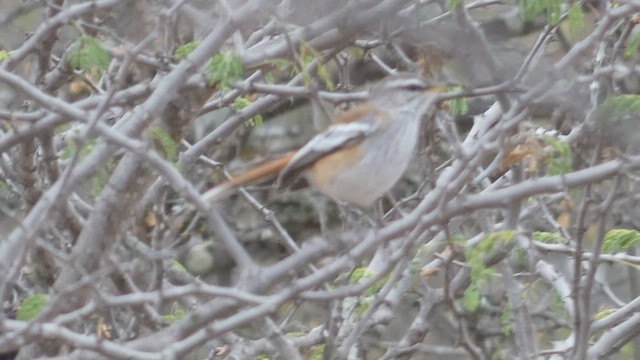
[(263, 172)]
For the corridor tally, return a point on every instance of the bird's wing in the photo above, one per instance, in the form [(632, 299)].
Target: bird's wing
[(335, 138)]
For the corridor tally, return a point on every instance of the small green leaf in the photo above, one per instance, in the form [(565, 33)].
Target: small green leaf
[(458, 239), (269, 79), (4, 55), (604, 313), (223, 70), (554, 12), (282, 64), (307, 55), (459, 107), (177, 313), (69, 150), (102, 177), (532, 8), (242, 102), (632, 47), (169, 147), (560, 161), (359, 274), (254, 121), (505, 318), (480, 274), (620, 240), (547, 237), (295, 334), (183, 51), (620, 105), (32, 307), (490, 243), (318, 352), (556, 303), (325, 75), (362, 307), (471, 298), (453, 4), (377, 286), (87, 53), (529, 9), (576, 17), (178, 265)]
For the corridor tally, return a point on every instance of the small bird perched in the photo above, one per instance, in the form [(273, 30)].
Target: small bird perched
[(362, 155)]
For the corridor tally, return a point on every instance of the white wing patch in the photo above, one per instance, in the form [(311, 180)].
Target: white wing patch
[(331, 140)]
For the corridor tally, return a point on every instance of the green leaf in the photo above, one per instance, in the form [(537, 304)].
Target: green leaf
[(325, 75), (620, 106), (458, 239), (359, 274), (281, 63), (471, 298), (489, 244), (422, 255), (86, 53), (177, 313), (620, 240), (453, 4), (560, 161), (557, 306), (633, 46), (254, 121), (307, 55), (362, 307), (318, 352), (505, 317), (547, 237), (377, 286), (69, 150), (4, 55), (480, 274), (102, 177), (223, 70), (530, 9), (554, 12), (576, 17), (242, 102), (269, 79), (459, 107), (183, 51), (32, 307), (162, 138), (604, 313), (178, 265)]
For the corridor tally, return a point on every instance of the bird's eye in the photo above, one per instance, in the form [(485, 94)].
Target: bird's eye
[(416, 87)]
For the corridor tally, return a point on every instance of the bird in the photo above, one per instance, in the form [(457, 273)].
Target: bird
[(362, 155)]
